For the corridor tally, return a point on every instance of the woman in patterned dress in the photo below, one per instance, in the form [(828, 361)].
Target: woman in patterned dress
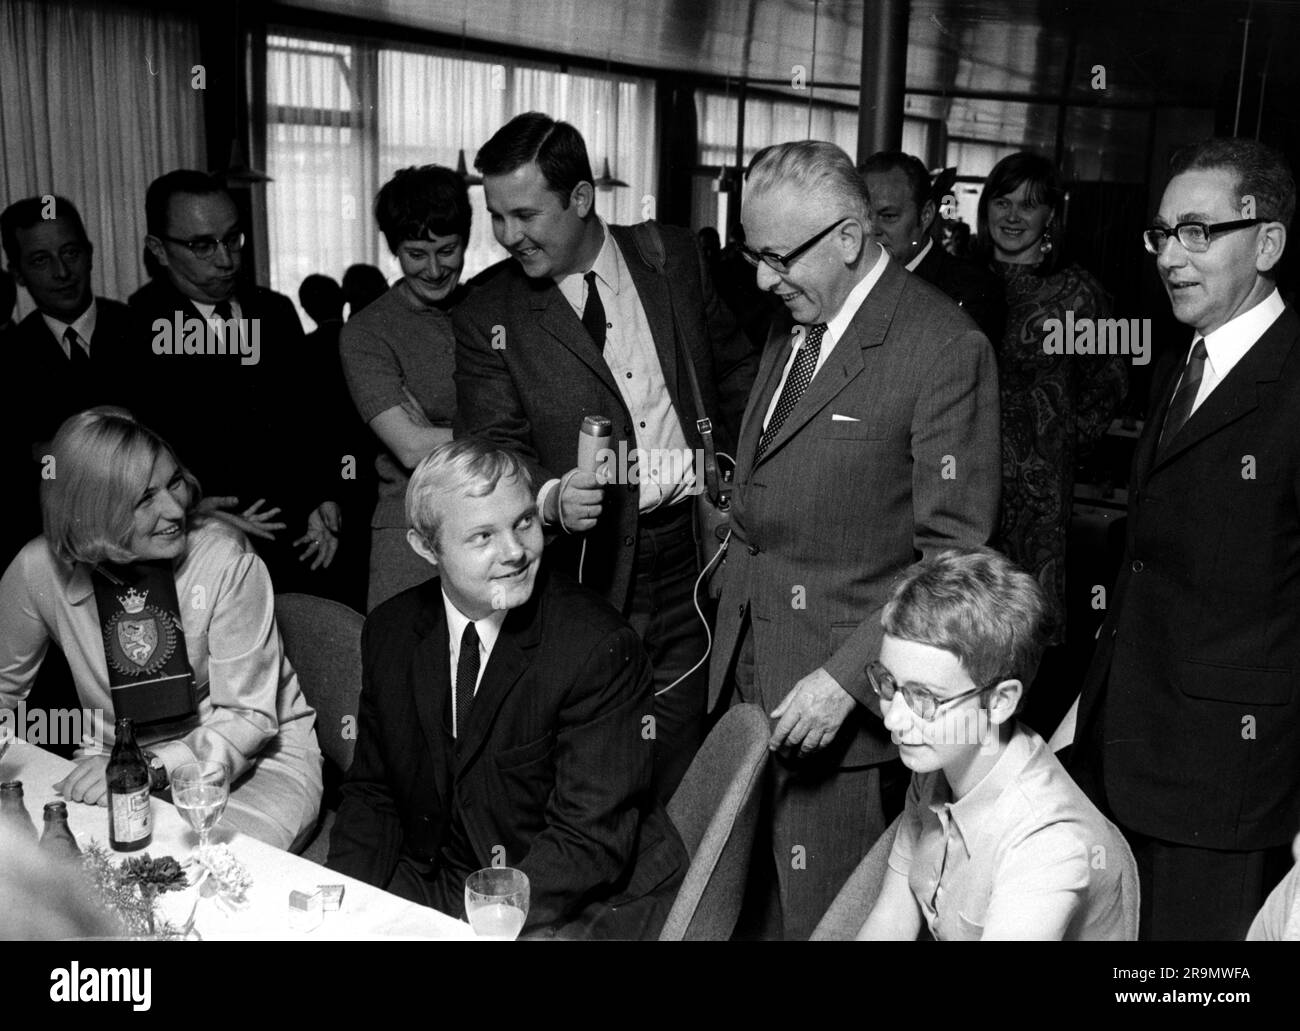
[(1052, 404)]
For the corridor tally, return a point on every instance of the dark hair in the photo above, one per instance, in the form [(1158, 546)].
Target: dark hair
[(158, 198), (918, 176), (24, 214), (321, 298), (1261, 171), (8, 295), (361, 285), (557, 147), (1044, 188), (422, 202)]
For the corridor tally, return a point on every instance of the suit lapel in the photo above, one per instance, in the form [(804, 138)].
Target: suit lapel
[(508, 662), (776, 352), (430, 686), (867, 329), (556, 316)]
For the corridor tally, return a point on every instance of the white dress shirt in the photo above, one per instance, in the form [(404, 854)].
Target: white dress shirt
[(488, 628), (209, 313), (1228, 344), (835, 328), (83, 326), (915, 263)]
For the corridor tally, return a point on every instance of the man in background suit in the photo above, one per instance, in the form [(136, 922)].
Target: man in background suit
[(1189, 722), (871, 439), (501, 721), (576, 322), (903, 212), (238, 420), (66, 355)]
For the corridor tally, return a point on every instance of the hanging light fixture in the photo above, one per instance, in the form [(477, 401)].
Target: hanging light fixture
[(462, 168), (607, 180), (238, 173)]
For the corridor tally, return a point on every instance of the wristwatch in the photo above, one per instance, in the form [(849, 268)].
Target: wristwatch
[(158, 779)]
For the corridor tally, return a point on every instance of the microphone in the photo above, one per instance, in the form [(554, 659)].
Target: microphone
[(593, 438)]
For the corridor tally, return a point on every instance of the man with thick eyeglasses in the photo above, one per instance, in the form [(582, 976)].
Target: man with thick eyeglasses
[(996, 841), (63, 357), (1187, 724), (245, 427), (871, 435)]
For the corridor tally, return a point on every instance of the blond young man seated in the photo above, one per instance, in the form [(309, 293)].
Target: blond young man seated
[(996, 841)]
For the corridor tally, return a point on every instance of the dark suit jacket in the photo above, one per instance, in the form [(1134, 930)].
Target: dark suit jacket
[(45, 389), (977, 290), (836, 509), (532, 393), (1190, 715), (553, 773)]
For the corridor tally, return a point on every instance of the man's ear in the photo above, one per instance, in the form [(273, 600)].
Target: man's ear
[(421, 547), (1271, 244), (156, 248), (583, 198), (1004, 699), (852, 237), (928, 213)]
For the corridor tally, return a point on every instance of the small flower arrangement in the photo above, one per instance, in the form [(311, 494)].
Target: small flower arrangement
[(220, 874), (130, 891)]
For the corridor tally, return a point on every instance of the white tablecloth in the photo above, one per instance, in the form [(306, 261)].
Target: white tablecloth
[(367, 912)]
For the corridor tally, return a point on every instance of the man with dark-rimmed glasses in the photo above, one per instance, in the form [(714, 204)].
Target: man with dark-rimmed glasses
[(243, 426), (871, 435), (1187, 724)]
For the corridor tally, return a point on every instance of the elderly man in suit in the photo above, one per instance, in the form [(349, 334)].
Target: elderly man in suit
[(216, 364), (871, 439), (67, 354), (501, 720), (1189, 722), (903, 212), (585, 318)]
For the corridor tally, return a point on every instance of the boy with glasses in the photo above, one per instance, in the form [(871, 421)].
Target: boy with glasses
[(996, 841)]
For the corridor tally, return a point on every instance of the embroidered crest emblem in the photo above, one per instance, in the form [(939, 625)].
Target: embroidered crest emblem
[(141, 638)]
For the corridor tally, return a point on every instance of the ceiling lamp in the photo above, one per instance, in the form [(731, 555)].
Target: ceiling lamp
[(463, 171)]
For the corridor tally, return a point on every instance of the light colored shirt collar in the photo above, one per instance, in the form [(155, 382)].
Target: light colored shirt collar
[(208, 311), (83, 326), (839, 325), (971, 812), (1228, 344), (606, 267), (915, 263), (488, 628)]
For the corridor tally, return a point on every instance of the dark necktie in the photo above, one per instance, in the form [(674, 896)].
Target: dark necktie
[(225, 313), (1180, 408), (801, 374), (593, 313), (466, 676), (76, 353)]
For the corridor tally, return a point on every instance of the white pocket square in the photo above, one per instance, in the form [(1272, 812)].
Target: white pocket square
[(843, 418)]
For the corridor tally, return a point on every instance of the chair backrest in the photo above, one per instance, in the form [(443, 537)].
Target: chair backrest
[(322, 639), (853, 904), (715, 810)]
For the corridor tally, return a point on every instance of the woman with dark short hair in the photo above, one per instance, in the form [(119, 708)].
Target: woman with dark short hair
[(1052, 404), (399, 354), (165, 615)]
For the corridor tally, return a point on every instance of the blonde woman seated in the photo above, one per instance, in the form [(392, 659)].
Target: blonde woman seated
[(165, 616), (996, 841)]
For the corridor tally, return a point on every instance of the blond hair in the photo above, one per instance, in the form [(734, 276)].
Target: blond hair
[(470, 466)]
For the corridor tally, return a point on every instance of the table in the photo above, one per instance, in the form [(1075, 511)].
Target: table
[(367, 912)]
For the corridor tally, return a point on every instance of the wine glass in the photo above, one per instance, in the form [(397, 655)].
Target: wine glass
[(496, 902), (200, 791)]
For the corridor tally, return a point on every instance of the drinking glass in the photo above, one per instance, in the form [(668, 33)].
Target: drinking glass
[(496, 902), (200, 791)]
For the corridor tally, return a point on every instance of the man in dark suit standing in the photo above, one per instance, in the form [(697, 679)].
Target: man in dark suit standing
[(66, 355), (583, 320), (1188, 721), (871, 439), (215, 362), (903, 212), (502, 722)]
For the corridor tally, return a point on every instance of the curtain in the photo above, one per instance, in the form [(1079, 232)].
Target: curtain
[(95, 103), (344, 115)]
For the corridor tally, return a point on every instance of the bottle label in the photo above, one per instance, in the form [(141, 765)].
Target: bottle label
[(131, 814)]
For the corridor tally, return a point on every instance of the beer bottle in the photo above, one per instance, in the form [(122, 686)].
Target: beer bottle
[(130, 818), (13, 811), (57, 838)]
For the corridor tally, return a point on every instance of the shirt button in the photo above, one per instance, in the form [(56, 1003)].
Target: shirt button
[(628, 541), (643, 425), (628, 374), (753, 549), (1137, 566)]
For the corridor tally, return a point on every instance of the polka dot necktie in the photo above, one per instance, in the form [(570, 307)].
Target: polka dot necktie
[(801, 374)]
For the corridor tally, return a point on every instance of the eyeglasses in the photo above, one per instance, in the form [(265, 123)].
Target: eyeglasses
[(1194, 236), (205, 247), (921, 701), (781, 262)]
